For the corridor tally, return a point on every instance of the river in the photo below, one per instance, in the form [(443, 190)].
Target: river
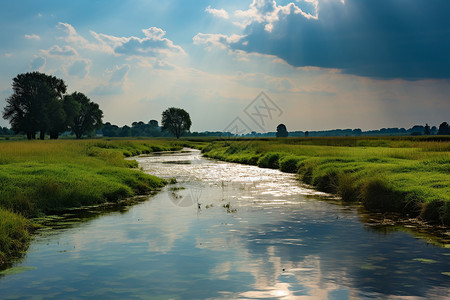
[(227, 231)]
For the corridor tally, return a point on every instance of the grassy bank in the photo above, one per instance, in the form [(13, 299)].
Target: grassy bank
[(405, 175), (44, 177)]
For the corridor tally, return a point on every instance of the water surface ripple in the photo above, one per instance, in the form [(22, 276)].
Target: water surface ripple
[(228, 231)]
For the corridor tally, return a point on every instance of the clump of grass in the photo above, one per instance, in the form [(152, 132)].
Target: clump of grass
[(290, 164), (270, 160), (14, 235), (347, 187)]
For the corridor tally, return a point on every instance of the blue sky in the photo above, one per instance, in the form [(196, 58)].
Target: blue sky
[(325, 63)]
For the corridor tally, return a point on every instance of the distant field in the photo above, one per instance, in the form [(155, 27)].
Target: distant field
[(42, 177), (409, 175)]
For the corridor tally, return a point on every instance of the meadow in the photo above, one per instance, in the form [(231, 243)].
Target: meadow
[(406, 175), (38, 178)]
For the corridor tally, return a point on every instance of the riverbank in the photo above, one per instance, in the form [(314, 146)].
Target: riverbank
[(405, 175), (44, 177)]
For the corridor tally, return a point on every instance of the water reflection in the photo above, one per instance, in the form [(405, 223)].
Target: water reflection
[(247, 233)]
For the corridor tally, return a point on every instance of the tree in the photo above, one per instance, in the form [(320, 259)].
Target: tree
[(427, 129), (282, 131), (88, 118), (444, 129), (176, 121), (153, 123), (110, 130), (36, 97)]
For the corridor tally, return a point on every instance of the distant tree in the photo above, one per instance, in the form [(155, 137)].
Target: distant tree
[(110, 130), (444, 129), (88, 118), (417, 130), (125, 131), (36, 98), (434, 130), (153, 123), (427, 129), (282, 131), (176, 121), (306, 133), (357, 132)]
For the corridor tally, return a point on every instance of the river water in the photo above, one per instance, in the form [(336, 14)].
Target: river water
[(227, 231)]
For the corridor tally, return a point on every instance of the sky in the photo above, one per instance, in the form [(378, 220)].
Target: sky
[(243, 65)]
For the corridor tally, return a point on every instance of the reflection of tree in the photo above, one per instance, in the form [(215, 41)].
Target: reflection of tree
[(389, 223)]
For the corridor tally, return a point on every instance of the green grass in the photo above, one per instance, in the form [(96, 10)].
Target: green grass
[(44, 177), (405, 175)]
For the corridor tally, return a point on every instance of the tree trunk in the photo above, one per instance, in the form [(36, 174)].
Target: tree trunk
[(31, 135), (54, 135), (42, 135)]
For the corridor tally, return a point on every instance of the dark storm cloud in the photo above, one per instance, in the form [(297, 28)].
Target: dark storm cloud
[(379, 39)]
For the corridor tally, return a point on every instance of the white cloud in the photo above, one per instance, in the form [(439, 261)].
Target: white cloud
[(220, 13), (267, 11), (220, 40), (72, 35), (74, 38), (32, 37), (152, 45), (56, 50)]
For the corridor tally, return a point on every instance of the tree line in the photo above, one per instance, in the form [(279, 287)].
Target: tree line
[(175, 121), (416, 130), (39, 104)]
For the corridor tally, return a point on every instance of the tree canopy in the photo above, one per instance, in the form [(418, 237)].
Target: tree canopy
[(282, 131), (36, 98), (38, 104), (176, 121), (89, 115), (444, 129)]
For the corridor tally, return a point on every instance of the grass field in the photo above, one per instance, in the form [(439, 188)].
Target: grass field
[(43, 177), (405, 175)]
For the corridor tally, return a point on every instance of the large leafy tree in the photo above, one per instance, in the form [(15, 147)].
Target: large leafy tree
[(176, 121), (88, 117), (36, 99)]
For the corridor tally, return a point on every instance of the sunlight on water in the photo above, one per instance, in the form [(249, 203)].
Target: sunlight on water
[(227, 231)]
